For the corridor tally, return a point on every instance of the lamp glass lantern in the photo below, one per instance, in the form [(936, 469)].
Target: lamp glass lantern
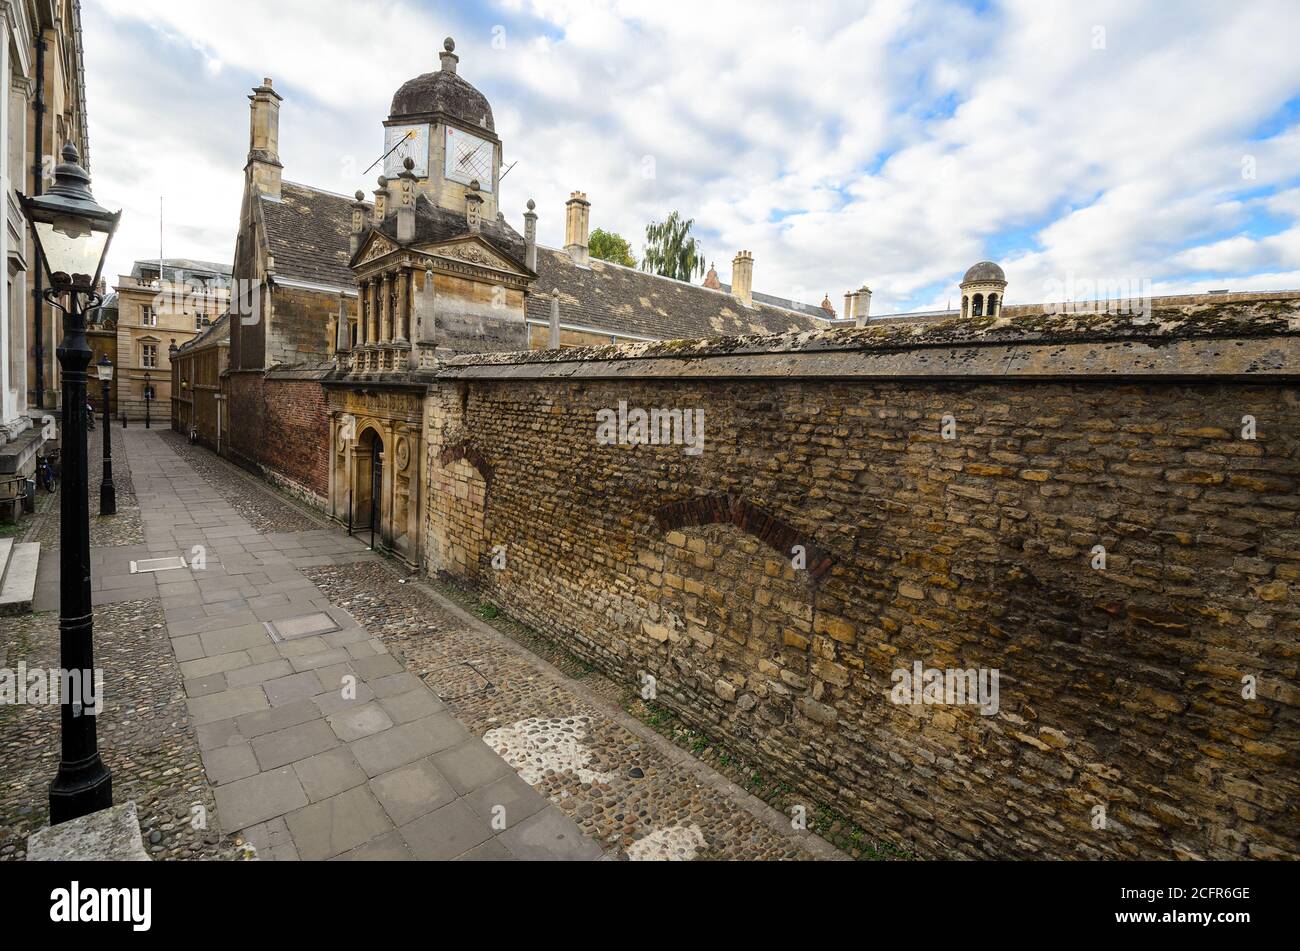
[(72, 230), (104, 369)]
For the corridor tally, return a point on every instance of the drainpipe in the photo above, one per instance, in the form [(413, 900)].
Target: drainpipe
[(38, 294)]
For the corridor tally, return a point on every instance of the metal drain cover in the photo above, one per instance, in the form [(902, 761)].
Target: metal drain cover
[(305, 625), (457, 681), (157, 564)]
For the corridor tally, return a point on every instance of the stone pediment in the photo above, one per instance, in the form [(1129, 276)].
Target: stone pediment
[(376, 246), (475, 251)]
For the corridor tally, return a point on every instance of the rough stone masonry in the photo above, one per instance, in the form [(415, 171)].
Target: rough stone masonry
[(1101, 509)]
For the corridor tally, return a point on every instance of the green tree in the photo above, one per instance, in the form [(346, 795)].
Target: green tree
[(611, 246), (670, 250)]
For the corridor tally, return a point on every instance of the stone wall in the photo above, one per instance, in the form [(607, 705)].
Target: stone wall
[(948, 487)]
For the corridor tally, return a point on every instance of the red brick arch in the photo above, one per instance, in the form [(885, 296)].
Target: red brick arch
[(749, 518), (465, 450)]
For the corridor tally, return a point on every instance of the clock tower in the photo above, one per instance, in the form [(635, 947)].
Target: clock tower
[(444, 125)]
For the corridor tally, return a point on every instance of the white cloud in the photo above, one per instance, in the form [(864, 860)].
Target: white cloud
[(894, 145)]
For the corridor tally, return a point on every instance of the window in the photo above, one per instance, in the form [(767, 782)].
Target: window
[(977, 302), (149, 356), (148, 315), (993, 305)]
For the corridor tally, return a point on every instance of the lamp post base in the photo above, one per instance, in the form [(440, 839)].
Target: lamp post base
[(79, 789), (107, 499)]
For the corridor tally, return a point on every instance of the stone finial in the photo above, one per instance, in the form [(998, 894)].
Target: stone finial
[(381, 200), (448, 55), (406, 202), (358, 222), (554, 342), (342, 332), (473, 206), (530, 236)]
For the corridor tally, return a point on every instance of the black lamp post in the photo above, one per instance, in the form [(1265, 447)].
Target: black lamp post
[(171, 363), (148, 398), (73, 231), (107, 491)]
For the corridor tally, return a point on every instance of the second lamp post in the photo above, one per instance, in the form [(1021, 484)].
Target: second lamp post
[(107, 491)]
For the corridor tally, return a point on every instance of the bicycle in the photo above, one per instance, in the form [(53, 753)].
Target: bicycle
[(45, 474)]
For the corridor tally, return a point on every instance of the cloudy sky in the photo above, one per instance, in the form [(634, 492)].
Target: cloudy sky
[(892, 143)]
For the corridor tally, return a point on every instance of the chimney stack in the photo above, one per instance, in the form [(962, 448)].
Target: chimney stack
[(358, 223), (577, 214), (406, 202), (862, 306), (742, 278), (263, 166), (530, 236)]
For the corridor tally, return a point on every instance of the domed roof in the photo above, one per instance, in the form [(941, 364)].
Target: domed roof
[(443, 93), (984, 271)]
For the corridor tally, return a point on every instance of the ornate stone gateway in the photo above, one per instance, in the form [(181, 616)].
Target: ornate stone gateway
[(375, 464)]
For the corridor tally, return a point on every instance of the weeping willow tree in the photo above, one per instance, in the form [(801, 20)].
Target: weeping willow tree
[(670, 250)]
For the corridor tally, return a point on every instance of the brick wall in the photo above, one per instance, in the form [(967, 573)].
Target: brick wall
[(1120, 687), (295, 444), (244, 404), (280, 428)]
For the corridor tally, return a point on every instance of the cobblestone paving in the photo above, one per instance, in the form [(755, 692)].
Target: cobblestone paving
[(264, 511), (124, 528), (145, 735), (632, 795)]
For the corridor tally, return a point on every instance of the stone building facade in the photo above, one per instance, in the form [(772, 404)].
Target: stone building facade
[(42, 107), (160, 307), (1103, 511)]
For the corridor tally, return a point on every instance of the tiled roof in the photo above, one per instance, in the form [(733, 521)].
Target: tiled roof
[(217, 332), (610, 297), (307, 232)]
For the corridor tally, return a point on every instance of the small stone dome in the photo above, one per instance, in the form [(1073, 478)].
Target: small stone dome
[(984, 271), (443, 93)]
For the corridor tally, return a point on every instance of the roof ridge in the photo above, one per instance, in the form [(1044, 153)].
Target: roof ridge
[(691, 284), (313, 188)]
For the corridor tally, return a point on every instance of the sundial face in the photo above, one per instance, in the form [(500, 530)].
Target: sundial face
[(403, 141), (469, 158)]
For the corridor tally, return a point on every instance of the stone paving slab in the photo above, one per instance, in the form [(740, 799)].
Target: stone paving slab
[(318, 742)]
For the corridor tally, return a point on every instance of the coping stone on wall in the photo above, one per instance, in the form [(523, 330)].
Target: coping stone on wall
[(1252, 339)]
